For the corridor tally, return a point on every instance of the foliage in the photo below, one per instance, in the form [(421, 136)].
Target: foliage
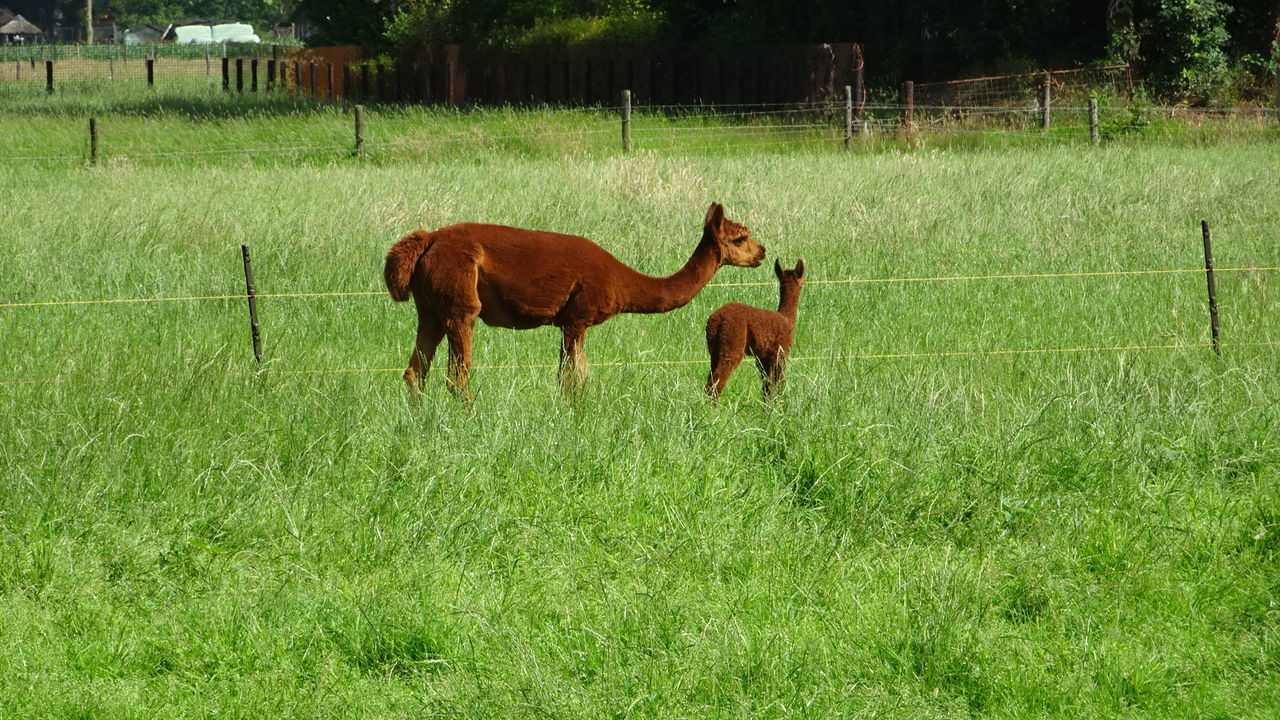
[(345, 22), (1185, 46), (522, 22), (262, 14)]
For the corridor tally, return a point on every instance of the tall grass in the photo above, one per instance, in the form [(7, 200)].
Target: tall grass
[(1058, 535)]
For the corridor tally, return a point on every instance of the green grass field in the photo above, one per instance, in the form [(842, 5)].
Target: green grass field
[(1074, 534)]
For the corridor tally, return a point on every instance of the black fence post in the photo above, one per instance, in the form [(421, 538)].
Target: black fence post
[(1208, 274), (253, 304), (48, 76), (151, 72), (226, 75)]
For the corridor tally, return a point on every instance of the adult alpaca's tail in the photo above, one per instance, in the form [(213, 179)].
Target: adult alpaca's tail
[(402, 259)]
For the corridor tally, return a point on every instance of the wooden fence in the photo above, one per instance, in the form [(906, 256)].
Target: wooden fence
[(673, 75)]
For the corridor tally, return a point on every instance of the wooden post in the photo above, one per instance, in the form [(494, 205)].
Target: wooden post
[(93, 141), (909, 103), (311, 74), (271, 74), (332, 92), (1213, 295), (226, 75), (151, 72), (1093, 121), (208, 66), (253, 74), (359, 130), (48, 76), (1046, 86), (848, 116), (626, 121), (859, 88), (253, 304), (239, 75), (111, 67)]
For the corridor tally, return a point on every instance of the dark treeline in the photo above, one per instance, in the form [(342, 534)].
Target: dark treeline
[(1190, 46)]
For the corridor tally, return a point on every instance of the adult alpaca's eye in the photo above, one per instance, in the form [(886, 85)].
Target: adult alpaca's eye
[(739, 241)]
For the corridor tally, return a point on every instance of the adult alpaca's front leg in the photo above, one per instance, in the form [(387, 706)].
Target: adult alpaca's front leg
[(573, 358)]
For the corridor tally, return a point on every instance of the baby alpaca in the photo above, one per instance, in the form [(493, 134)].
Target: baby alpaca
[(736, 329)]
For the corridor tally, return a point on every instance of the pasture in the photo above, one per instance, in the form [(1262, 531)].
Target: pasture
[(1059, 534)]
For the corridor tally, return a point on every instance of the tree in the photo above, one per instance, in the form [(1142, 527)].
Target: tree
[(1184, 45)]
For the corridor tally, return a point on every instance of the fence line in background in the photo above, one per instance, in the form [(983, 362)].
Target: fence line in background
[(893, 120), (846, 281), (268, 370)]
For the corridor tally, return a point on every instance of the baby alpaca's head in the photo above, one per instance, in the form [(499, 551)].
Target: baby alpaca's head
[(793, 276)]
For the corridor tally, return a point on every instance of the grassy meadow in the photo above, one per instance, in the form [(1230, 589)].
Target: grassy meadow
[(1072, 534)]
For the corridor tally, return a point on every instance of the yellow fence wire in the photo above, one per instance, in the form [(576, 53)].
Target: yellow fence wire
[(848, 281)]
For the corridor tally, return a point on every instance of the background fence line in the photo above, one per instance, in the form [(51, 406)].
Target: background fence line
[(657, 128)]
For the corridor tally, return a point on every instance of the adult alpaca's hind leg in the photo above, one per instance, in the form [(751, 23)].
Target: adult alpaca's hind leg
[(460, 305), (430, 333), (459, 332)]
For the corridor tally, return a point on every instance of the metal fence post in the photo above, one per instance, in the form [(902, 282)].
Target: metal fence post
[(626, 121), (1213, 295), (1045, 90), (909, 103), (253, 304), (1093, 121), (848, 116), (359, 130)]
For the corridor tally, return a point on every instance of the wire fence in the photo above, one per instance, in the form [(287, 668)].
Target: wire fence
[(241, 81), (337, 133), (252, 296)]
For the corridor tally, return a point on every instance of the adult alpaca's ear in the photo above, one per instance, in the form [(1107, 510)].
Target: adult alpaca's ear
[(777, 268), (715, 217), (799, 271)]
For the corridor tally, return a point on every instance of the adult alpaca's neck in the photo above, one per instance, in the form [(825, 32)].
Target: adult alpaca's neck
[(648, 294)]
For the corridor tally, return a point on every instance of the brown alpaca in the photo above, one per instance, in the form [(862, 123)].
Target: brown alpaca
[(514, 278), (736, 330)]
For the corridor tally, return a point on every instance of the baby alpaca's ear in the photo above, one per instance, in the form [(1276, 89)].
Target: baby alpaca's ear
[(800, 268), (777, 268)]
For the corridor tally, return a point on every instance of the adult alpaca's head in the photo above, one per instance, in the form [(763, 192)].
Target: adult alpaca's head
[(732, 239)]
